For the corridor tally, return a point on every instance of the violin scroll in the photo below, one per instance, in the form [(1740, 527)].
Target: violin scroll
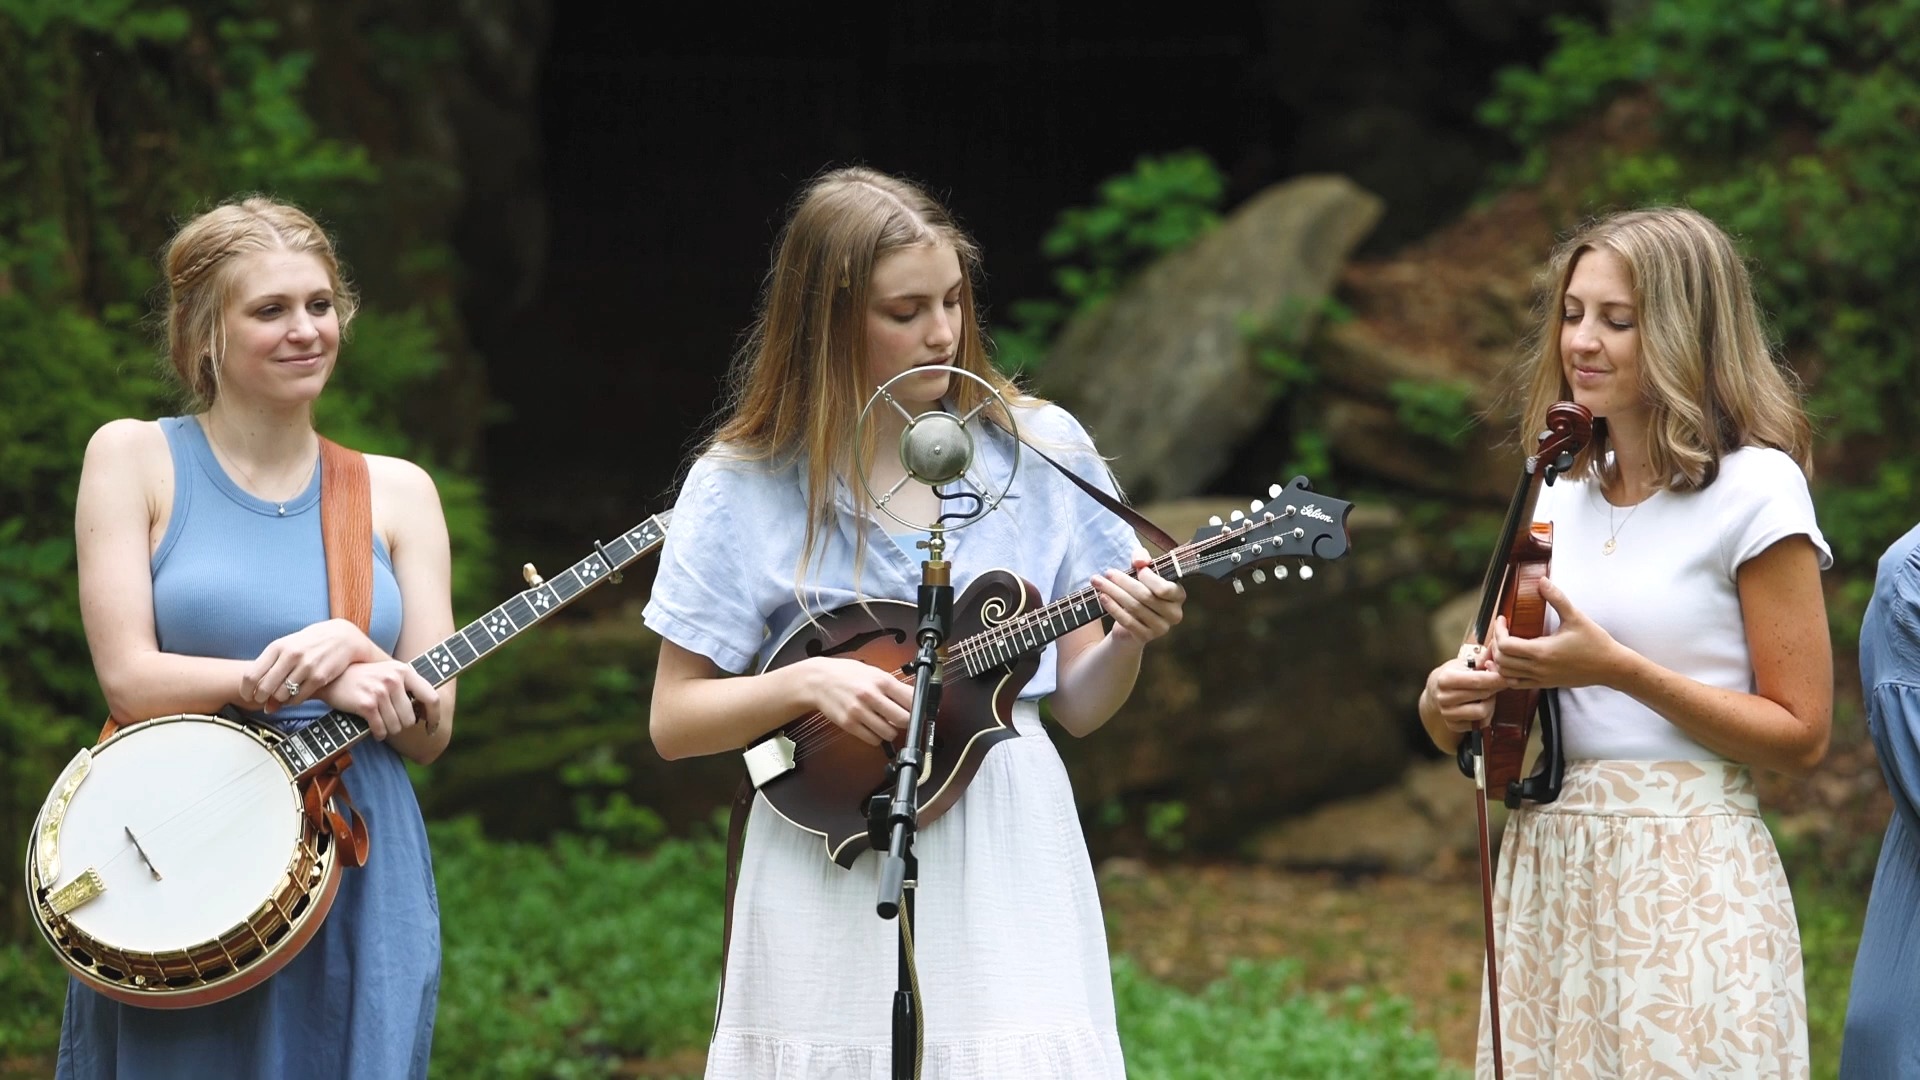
[(1569, 430)]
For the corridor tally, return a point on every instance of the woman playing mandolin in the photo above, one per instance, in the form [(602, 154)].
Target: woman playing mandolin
[(870, 278), (1644, 924), (202, 584)]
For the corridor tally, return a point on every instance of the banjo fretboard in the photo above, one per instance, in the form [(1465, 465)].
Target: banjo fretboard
[(314, 744)]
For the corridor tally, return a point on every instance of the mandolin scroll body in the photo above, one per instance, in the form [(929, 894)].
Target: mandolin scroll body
[(827, 792)]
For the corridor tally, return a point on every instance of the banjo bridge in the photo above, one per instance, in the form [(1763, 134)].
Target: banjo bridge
[(87, 886)]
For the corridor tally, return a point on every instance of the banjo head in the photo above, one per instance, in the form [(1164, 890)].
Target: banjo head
[(190, 823)]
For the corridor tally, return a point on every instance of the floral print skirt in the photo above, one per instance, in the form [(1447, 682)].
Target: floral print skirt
[(1646, 930)]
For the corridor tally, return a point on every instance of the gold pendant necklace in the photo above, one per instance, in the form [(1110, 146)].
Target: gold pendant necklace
[(1613, 540)]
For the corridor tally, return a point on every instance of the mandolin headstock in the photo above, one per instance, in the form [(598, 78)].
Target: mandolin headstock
[(1293, 522)]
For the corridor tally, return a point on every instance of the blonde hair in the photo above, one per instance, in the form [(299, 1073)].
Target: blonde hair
[(199, 264), (800, 378), (1711, 382)]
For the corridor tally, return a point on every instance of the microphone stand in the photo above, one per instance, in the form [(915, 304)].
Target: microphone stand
[(895, 818)]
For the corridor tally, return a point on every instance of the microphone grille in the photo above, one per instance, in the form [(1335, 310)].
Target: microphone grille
[(935, 448)]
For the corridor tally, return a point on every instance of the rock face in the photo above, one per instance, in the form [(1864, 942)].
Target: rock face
[(1167, 362), (1268, 702), (1291, 696), (1424, 823)]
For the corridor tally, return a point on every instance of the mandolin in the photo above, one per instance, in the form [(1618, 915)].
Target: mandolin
[(820, 779)]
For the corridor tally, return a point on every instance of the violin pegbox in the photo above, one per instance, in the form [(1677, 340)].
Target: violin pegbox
[(1293, 522)]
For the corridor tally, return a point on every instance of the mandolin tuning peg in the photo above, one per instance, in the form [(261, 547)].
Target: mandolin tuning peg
[(531, 575), (1239, 586), (1305, 571), (1238, 516), (1214, 520), (1280, 572), (1259, 576), (1255, 505), (1273, 491)]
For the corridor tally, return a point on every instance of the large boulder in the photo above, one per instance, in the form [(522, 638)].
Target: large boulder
[(1268, 701), (1167, 360)]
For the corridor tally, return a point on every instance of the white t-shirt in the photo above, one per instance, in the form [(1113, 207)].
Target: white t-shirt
[(1669, 590)]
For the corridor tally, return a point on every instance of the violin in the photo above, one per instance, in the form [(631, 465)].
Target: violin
[(1512, 589), (1495, 755)]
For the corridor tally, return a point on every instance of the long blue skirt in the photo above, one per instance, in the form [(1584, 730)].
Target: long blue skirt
[(356, 1004)]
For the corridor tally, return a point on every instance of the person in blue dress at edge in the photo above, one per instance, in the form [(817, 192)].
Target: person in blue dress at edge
[(870, 277), (202, 584), (1644, 923), (1883, 1030)]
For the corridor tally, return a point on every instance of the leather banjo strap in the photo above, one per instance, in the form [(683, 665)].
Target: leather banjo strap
[(346, 535), (346, 532)]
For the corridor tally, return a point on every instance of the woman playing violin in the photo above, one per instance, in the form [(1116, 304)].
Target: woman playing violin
[(1643, 919)]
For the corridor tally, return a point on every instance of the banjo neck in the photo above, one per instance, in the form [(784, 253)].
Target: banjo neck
[(306, 750)]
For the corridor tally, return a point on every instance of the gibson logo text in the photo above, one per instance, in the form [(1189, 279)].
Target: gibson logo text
[(1315, 513)]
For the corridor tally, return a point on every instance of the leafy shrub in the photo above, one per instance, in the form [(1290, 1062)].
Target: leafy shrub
[(1257, 1023), (1164, 205), (563, 959), (34, 987), (1830, 924)]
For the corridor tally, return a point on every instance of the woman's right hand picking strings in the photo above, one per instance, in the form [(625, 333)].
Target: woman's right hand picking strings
[(864, 701)]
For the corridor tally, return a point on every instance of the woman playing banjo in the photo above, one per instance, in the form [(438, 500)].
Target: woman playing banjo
[(202, 584)]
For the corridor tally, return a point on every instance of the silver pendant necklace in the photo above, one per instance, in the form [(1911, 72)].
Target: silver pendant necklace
[(279, 505)]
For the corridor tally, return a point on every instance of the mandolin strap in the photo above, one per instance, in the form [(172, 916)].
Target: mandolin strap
[(1147, 529), (736, 840)]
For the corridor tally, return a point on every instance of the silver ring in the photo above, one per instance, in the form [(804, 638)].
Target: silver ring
[(293, 689)]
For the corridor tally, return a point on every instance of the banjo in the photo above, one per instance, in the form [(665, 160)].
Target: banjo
[(187, 858)]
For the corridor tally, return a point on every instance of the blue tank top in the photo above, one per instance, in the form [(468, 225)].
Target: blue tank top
[(234, 572)]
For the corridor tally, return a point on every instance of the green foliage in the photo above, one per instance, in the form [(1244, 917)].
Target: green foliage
[(1830, 924), (34, 986), (605, 811), (1257, 1023), (554, 718), (1164, 205), (1166, 825), (1439, 410), (563, 959), (1725, 72), (1278, 339), (1796, 125)]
